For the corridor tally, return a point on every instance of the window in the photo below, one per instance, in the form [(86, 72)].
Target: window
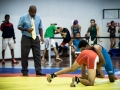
[(111, 13)]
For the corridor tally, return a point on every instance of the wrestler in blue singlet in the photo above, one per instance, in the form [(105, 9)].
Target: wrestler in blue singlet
[(108, 65)]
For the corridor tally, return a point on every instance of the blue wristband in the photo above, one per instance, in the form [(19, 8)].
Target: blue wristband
[(25, 29)]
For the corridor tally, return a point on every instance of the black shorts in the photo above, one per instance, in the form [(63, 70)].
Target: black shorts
[(112, 36), (65, 41)]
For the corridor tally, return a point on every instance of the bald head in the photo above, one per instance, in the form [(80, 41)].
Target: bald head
[(32, 10)]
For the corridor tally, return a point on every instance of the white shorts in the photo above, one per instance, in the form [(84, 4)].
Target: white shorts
[(47, 43), (7, 41)]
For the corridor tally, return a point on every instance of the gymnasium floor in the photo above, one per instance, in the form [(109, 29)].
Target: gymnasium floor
[(12, 79)]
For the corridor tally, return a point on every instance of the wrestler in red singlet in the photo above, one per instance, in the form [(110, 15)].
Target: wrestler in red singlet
[(88, 57)]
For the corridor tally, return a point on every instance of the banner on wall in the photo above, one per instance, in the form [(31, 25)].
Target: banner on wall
[(107, 23)]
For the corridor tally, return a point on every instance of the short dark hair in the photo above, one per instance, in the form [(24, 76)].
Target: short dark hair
[(7, 15), (92, 20), (32, 7), (58, 27), (78, 32), (112, 22), (83, 43), (53, 24)]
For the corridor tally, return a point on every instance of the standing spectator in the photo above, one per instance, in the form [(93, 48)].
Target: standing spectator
[(50, 32), (119, 32), (31, 26), (75, 28), (8, 38), (112, 31), (93, 30), (66, 38), (119, 37)]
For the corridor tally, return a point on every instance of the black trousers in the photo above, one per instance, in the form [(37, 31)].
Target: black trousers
[(28, 43)]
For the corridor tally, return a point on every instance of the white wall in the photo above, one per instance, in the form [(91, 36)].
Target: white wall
[(60, 11)]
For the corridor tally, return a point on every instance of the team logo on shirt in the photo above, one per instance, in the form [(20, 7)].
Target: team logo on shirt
[(110, 71)]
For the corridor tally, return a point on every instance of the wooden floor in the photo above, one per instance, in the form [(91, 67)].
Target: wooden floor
[(58, 64)]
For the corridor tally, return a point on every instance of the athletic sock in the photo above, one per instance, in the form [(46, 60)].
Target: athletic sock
[(53, 75), (76, 81)]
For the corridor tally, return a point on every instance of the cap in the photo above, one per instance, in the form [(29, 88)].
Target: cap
[(75, 22)]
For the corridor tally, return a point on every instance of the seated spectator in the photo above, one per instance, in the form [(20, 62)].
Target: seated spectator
[(75, 42)]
